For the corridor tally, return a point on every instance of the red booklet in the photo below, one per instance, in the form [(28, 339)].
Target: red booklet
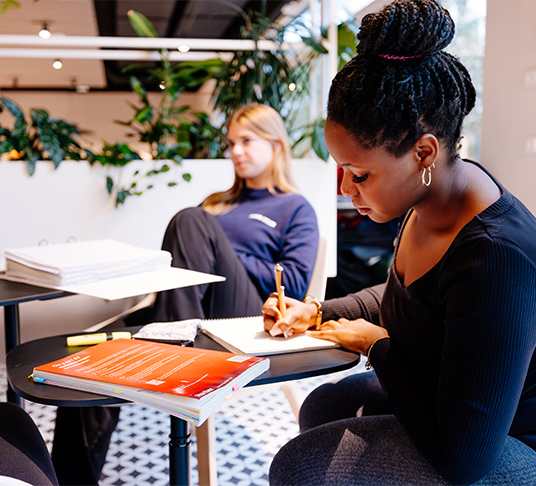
[(188, 382)]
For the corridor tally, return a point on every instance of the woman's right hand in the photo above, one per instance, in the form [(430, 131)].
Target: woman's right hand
[(298, 316)]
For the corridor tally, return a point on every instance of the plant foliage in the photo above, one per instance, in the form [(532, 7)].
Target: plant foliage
[(171, 132), (258, 76), (44, 138)]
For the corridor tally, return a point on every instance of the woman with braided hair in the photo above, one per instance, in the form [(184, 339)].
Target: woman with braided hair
[(451, 335)]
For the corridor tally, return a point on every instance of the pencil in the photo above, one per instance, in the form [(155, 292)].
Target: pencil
[(280, 289)]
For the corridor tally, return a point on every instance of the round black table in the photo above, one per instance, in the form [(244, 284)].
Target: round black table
[(22, 359)]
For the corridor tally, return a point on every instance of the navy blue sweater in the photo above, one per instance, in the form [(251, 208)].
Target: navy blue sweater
[(265, 229), (459, 366)]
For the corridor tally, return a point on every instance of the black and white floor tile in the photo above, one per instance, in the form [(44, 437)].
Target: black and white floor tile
[(249, 432)]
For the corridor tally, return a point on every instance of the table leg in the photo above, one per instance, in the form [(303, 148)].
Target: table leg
[(12, 337), (206, 452), (179, 453)]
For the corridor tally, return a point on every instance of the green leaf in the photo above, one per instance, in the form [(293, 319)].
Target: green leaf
[(6, 146), (187, 177), (139, 89), (5, 5), (172, 184), (30, 166), (12, 107), (144, 115), (118, 154), (47, 136), (121, 196), (315, 45), (109, 184), (346, 39), (318, 141), (141, 24)]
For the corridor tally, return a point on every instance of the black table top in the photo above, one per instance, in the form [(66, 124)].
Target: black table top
[(21, 361), (16, 293)]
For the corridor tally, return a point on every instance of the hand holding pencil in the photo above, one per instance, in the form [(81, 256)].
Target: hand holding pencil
[(285, 316)]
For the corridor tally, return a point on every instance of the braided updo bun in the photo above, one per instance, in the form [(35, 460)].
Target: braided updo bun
[(406, 28), (402, 84)]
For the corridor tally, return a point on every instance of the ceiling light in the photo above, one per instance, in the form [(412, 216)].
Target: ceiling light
[(183, 48), (44, 33), (57, 64)]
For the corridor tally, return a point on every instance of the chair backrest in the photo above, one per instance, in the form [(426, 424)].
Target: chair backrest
[(319, 278)]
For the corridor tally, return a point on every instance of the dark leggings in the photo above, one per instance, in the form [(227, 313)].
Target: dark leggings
[(197, 241), (349, 438), (356, 395)]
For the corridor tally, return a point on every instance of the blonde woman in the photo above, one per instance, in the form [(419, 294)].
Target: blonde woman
[(241, 233)]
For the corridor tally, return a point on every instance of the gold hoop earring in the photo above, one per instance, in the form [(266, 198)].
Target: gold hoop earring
[(426, 181)]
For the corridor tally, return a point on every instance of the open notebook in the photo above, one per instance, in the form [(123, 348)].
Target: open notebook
[(246, 335)]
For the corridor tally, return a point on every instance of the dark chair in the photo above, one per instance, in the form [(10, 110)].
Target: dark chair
[(23, 451)]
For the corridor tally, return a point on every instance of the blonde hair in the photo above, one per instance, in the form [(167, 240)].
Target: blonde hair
[(265, 122)]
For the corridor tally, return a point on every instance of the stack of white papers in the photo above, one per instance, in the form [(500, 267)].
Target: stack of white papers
[(106, 269), (81, 262)]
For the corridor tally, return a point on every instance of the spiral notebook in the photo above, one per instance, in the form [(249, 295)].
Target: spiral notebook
[(246, 335)]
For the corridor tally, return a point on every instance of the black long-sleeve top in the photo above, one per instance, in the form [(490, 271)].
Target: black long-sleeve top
[(459, 366)]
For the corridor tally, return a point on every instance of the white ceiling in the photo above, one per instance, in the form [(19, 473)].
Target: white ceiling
[(67, 17)]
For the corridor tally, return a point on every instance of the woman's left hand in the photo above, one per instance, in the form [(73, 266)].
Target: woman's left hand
[(355, 336)]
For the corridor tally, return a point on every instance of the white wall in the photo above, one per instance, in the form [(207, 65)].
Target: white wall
[(72, 201), (509, 106)]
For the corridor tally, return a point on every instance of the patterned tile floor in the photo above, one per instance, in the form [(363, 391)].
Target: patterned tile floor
[(249, 431)]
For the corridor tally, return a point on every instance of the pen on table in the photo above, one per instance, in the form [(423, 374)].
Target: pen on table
[(280, 291), (101, 337)]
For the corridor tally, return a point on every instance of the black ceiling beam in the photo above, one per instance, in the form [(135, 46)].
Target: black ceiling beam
[(106, 13), (273, 10), (176, 15)]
